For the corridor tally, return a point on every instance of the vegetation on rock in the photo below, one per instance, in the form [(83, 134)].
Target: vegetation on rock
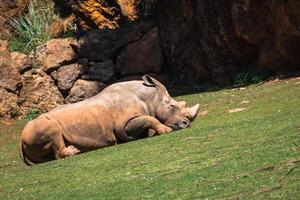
[(38, 26), (32, 114), (31, 29)]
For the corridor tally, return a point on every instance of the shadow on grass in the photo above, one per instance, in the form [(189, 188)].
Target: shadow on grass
[(180, 89)]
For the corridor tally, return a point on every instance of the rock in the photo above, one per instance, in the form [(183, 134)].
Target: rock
[(99, 14), (56, 53), (4, 48), (143, 56), (103, 72), (21, 61), (9, 75), (39, 92), (67, 75), (129, 8), (236, 110), (10, 9), (103, 14), (163, 78), (209, 41), (83, 89), (83, 61), (105, 44), (8, 104)]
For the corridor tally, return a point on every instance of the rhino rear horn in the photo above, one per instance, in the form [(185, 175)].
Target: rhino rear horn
[(182, 104), (193, 111), (149, 81)]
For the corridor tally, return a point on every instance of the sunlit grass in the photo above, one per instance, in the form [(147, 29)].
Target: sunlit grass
[(252, 154)]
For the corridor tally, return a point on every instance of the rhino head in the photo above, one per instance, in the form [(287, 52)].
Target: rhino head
[(168, 111)]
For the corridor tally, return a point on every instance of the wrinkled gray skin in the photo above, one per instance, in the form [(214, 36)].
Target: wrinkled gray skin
[(152, 100)]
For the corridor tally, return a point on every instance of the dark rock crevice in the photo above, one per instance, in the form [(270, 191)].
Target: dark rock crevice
[(210, 41)]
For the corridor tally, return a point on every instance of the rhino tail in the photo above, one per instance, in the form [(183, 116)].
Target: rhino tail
[(23, 155)]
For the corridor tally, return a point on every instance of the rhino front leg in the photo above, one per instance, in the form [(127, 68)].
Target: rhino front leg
[(146, 122), (60, 149)]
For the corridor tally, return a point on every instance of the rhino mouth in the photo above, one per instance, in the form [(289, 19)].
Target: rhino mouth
[(180, 125), (175, 127)]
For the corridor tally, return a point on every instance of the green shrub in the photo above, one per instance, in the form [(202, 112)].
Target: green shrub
[(31, 29), (32, 113), (250, 77)]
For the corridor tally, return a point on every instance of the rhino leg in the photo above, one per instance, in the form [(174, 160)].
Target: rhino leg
[(144, 123), (60, 149), (42, 139)]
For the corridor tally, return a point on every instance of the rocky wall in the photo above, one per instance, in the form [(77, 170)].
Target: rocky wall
[(206, 40), (194, 41), (70, 70)]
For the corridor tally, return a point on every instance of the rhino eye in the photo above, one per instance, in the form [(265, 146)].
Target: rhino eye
[(173, 107)]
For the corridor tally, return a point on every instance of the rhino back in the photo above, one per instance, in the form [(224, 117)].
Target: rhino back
[(118, 96)]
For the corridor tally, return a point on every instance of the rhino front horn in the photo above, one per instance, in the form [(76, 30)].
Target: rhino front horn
[(193, 111)]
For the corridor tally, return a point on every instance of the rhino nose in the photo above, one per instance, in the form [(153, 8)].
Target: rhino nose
[(184, 124)]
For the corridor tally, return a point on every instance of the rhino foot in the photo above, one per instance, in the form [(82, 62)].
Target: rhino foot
[(69, 151), (163, 129)]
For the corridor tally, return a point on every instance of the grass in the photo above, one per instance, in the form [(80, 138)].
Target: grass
[(252, 154)]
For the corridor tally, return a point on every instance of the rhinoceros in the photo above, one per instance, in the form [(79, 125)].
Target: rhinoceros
[(120, 113)]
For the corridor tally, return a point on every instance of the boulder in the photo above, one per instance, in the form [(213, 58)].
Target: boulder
[(129, 8), (99, 14), (9, 75), (66, 75), (103, 72), (84, 89), (143, 56), (105, 44), (8, 104), (56, 53), (163, 78), (39, 92), (21, 61), (96, 14)]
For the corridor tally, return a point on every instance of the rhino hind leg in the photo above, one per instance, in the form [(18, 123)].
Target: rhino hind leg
[(68, 151)]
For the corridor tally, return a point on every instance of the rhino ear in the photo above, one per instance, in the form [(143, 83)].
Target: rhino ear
[(193, 111), (149, 81)]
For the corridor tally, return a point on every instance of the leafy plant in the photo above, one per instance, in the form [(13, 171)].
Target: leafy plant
[(31, 29), (32, 113), (249, 77)]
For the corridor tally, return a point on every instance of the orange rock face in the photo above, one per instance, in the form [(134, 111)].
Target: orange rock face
[(101, 14)]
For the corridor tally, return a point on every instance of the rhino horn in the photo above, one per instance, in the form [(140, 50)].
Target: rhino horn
[(193, 111), (182, 104)]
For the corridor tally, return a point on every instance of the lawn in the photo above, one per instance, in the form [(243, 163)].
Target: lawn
[(245, 144)]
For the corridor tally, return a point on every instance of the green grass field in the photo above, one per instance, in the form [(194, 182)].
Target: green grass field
[(245, 144)]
